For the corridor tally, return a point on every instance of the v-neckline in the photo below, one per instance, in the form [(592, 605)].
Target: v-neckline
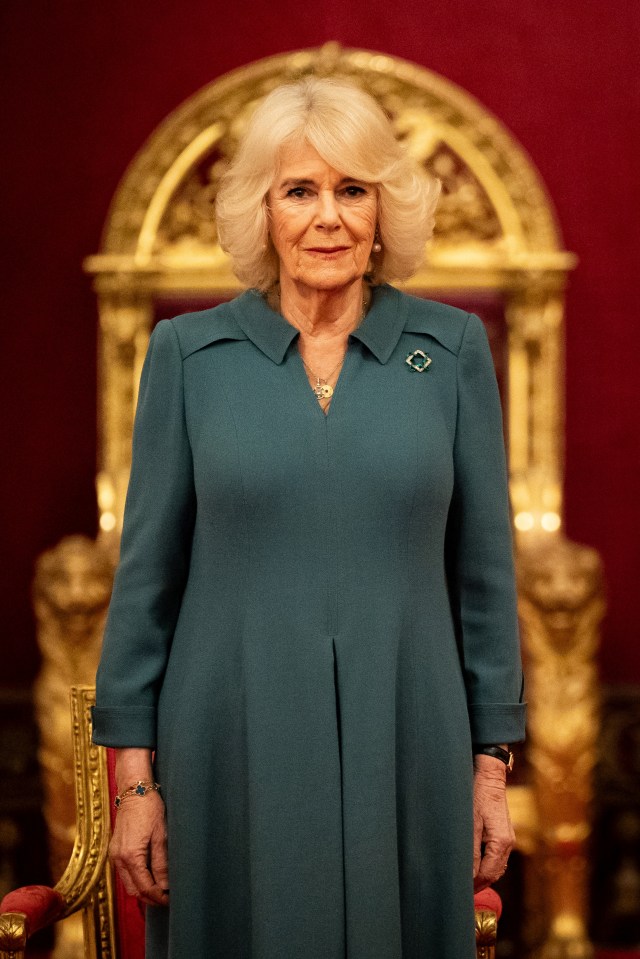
[(301, 377)]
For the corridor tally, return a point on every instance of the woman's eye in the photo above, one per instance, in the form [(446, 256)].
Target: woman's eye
[(355, 190), (299, 192)]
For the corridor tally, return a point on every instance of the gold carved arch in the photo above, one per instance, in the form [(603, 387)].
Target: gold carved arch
[(495, 231), (158, 208)]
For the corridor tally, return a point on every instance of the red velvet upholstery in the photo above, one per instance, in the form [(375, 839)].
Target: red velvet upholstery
[(489, 901), (41, 905), (618, 954)]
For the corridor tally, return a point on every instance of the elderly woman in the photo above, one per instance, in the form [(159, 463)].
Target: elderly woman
[(311, 666)]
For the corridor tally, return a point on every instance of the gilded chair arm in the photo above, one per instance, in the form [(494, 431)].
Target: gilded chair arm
[(486, 934), (488, 901), (87, 877), (488, 907), (25, 911)]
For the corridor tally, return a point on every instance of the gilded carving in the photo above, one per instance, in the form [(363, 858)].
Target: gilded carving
[(13, 935), (561, 605), (71, 593), (419, 101), (491, 191), (86, 882), (125, 324), (486, 934), (536, 402), (465, 214), (85, 885)]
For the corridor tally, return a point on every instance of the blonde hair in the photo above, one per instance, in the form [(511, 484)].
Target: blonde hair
[(352, 134)]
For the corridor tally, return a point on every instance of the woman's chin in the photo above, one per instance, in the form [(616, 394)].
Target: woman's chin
[(328, 280)]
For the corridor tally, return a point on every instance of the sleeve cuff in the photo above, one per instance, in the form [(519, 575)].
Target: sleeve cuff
[(497, 722), (124, 727)]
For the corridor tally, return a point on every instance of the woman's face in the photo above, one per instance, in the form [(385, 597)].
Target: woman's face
[(322, 221)]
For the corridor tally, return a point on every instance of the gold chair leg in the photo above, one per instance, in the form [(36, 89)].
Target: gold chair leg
[(486, 934), (13, 935)]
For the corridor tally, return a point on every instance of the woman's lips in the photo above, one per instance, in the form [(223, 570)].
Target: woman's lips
[(327, 250)]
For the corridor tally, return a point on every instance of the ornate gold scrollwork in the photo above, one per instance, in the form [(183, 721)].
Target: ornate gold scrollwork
[(87, 881)]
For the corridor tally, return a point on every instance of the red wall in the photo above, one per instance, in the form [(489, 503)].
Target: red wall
[(86, 83)]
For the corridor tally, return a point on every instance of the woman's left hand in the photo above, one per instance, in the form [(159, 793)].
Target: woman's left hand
[(491, 821)]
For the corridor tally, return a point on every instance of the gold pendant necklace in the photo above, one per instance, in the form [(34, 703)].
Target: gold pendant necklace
[(323, 389)]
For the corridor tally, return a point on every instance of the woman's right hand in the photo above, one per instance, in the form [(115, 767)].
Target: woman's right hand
[(138, 848)]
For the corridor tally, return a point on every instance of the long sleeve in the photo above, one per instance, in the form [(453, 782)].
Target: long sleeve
[(480, 551), (154, 559)]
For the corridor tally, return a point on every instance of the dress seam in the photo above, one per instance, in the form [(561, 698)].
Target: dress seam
[(413, 663), (458, 355), (243, 629), (184, 399), (332, 605), (340, 760)]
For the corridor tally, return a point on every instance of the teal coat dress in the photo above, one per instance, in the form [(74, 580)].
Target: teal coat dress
[(313, 618)]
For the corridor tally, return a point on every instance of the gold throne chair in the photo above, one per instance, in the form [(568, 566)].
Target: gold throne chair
[(497, 249)]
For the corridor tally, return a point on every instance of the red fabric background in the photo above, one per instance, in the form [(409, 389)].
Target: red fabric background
[(86, 83)]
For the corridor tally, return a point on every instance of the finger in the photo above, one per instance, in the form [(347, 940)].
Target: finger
[(158, 863), (127, 881), (494, 862), (131, 886), (481, 881), (132, 883), (146, 888), (153, 895), (477, 842), (121, 867)]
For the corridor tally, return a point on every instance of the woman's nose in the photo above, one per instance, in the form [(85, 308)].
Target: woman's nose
[(328, 215)]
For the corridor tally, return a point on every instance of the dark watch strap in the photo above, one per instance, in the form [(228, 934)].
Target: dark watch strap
[(505, 755)]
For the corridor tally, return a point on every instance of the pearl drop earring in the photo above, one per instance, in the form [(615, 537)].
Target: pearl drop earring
[(376, 248)]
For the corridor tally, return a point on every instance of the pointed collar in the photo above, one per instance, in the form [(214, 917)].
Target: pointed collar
[(390, 313), (379, 331), (382, 326), (268, 330)]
